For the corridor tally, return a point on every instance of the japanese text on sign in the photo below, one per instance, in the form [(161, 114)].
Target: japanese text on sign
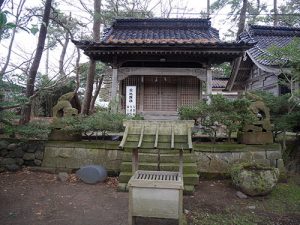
[(130, 100)]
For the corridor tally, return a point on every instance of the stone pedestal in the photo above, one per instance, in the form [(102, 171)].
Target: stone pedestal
[(255, 138)]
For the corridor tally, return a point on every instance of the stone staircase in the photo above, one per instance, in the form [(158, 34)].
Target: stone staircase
[(168, 162), (157, 153)]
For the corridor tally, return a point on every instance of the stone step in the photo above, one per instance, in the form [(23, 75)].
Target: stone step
[(187, 167), (188, 179), (153, 157)]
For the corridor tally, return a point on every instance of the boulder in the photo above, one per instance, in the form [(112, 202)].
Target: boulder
[(92, 174), (254, 179)]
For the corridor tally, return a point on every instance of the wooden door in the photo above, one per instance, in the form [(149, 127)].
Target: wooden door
[(160, 93)]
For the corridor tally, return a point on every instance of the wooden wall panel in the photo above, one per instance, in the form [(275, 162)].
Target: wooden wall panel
[(165, 93), (190, 90)]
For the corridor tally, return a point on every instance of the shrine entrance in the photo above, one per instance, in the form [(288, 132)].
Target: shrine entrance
[(160, 94)]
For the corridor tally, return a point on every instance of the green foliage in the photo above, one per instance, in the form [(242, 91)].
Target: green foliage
[(284, 198), (34, 130), (99, 122), (234, 114), (288, 59), (5, 26), (49, 93), (283, 118), (224, 69), (289, 13)]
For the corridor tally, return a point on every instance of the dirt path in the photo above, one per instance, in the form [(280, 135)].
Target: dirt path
[(33, 198)]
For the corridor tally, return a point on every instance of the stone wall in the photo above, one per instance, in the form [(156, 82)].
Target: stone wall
[(15, 153), (217, 159), (211, 159), (73, 155)]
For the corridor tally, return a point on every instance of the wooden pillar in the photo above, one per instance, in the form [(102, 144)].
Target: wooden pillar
[(114, 84), (200, 89), (208, 84), (114, 90), (141, 85)]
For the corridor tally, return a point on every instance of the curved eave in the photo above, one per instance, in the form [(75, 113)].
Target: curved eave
[(101, 51), (270, 69)]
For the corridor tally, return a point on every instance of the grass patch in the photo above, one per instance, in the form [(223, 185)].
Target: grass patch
[(227, 218), (285, 198)]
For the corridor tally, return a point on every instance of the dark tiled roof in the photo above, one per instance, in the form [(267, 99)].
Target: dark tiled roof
[(219, 82), (265, 37), (161, 31)]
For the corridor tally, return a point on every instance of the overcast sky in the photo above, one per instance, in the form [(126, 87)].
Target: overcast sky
[(27, 42)]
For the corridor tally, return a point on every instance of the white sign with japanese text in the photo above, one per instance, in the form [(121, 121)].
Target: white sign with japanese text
[(130, 100)]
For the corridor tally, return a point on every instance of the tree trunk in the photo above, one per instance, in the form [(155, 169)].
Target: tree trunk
[(96, 93), (1, 3), (242, 21), (275, 14), (208, 8), (25, 116), (92, 66), (77, 70), (63, 54)]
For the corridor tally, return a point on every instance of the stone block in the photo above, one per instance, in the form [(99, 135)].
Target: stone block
[(3, 152), (273, 162), (12, 146), (203, 162), (280, 165), (256, 138), (37, 162), (19, 161), (8, 161), (259, 155), (12, 167), (19, 153), (39, 155), (235, 156), (3, 144), (274, 155), (264, 162), (29, 156), (11, 154), (246, 156), (218, 164), (31, 148)]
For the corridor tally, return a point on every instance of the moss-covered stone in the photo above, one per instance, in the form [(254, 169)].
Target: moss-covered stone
[(254, 179)]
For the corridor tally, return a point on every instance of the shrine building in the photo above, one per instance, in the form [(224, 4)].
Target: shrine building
[(159, 65)]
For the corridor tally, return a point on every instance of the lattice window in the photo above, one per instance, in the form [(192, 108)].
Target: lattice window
[(190, 90)]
